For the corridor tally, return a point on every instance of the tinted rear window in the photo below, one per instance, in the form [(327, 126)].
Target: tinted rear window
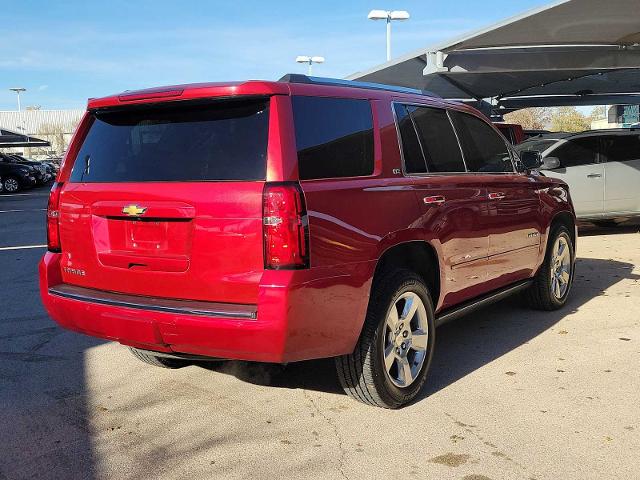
[(334, 137), (217, 141), (484, 150), (439, 143), (411, 149)]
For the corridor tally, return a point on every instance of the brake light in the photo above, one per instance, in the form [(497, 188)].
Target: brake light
[(53, 216), (285, 227)]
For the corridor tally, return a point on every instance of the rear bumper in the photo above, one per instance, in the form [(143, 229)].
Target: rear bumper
[(297, 317)]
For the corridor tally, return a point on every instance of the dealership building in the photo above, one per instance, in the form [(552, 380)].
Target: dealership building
[(35, 128)]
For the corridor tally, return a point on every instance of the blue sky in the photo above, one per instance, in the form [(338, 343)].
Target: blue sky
[(66, 51)]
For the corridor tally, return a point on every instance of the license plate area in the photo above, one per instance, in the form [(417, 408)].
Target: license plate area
[(148, 236)]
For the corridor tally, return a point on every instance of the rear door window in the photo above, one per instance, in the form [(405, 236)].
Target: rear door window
[(334, 137), (576, 152), (438, 140), (621, 148), (484, 150), (414, 161), (428, 141), (176, 143)]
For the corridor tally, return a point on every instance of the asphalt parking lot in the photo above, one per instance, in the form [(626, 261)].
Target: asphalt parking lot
[(513, 394)]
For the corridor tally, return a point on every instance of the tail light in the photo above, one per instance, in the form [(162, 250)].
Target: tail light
[(285, 227), (53, 216)]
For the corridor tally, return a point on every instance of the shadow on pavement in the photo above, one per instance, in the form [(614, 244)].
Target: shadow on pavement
[(462, 346), (44, 426), (590, 229), (465, 345)]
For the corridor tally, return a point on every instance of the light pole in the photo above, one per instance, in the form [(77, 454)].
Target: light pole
[(388, 15), (309, 61), (18, 90)]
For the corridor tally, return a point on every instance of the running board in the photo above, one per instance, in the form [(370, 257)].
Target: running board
[(468, 307)]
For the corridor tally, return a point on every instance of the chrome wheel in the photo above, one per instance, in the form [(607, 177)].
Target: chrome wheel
[(560, 268), (11, 185), (405, 339)]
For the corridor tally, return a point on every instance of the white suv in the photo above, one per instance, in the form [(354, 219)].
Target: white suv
[(602, 168)]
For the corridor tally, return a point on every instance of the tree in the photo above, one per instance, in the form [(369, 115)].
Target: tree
[(598, 113), (537, 118), (569, 119)]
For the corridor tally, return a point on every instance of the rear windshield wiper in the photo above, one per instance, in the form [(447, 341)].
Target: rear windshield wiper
[(87, 166)]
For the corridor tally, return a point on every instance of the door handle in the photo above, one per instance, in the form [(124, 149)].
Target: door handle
[(496, 195), (434, 200), (594, 175)]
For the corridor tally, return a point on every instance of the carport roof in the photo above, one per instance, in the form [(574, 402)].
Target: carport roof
[(569, 52), (9, 138)]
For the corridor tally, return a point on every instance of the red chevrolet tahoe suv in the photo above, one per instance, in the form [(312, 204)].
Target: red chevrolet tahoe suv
[(298, 219)]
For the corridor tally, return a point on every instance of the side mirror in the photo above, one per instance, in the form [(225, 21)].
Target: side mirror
[(531, 159), (550, 163)]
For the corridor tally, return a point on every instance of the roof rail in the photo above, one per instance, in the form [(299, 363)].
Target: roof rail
[(299, 78)]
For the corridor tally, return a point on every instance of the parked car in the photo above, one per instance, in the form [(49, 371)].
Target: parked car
[(52, 167), (16, 176), (42, 171), (512, 132), (602, 167), (305, 218)]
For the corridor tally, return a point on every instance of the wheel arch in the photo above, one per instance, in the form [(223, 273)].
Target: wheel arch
[(566, 219), (420, 257)]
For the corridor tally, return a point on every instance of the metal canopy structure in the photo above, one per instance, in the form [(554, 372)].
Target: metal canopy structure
[(9, 138), (573, 52)]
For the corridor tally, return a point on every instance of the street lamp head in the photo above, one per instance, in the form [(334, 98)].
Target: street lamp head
[(302, 59), (317, 59), (378, 15), (18, 89), (399, 15)]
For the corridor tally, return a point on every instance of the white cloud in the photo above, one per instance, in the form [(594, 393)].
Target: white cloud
[(41, 88)]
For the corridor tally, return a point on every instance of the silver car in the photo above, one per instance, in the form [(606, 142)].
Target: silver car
[(601, 167)]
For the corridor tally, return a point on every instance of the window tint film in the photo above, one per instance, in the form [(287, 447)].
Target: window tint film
[(217, 141), (334, 137), (621, 148), (438, 140), (484, 150), (411, 149), (579, 151)]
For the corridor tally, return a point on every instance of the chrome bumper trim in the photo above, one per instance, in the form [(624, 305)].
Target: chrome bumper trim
[(183, 307)]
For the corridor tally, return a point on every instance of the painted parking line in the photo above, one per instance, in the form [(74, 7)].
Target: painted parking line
[(26, 210), (24, 195), (23, 247)]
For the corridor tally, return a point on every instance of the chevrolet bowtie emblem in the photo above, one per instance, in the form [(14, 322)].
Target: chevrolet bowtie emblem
[(134, 210)]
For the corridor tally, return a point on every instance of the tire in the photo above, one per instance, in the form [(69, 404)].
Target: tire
[(11, 184), (156, 360), (544, 293), (363, 373)]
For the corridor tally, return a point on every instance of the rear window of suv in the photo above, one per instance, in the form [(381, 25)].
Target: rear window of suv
[(215, 141), (334, 137)]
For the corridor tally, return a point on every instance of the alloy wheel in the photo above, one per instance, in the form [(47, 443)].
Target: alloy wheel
[(560, 268), (11, 185), (405, 339)]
